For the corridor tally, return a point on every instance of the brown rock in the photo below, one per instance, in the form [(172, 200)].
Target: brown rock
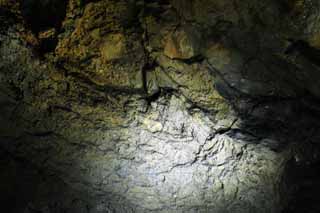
[(113, 48), (182, 44)]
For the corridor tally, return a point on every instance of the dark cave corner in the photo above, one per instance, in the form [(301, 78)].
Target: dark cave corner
[(44, 19), (303, 183)]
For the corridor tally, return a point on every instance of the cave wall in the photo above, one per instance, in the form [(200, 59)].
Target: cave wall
[(159, 106)]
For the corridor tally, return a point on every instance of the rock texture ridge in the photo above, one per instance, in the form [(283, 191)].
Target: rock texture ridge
[(159, 106)]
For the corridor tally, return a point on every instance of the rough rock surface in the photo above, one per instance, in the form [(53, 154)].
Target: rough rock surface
[(159, 106)]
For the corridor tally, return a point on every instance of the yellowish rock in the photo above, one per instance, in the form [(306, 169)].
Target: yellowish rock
[(152, 126), (113, 48), (182, 44)]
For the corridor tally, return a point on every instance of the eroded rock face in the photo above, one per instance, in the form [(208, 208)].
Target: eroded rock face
[(183, 44), (159, 106)]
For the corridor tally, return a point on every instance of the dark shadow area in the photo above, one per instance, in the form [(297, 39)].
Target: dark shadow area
[(41, 16), (292, 120), (26, 188), (304, 48), (303, 185), (18, 183), (7, 18)]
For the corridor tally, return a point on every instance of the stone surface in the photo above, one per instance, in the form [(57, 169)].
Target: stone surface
[(183, 44), (159, 106)]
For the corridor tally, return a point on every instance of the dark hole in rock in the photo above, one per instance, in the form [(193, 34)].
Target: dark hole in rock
[(43, 15)]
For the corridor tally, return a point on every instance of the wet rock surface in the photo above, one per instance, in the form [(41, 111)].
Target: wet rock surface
[(159, 106)]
